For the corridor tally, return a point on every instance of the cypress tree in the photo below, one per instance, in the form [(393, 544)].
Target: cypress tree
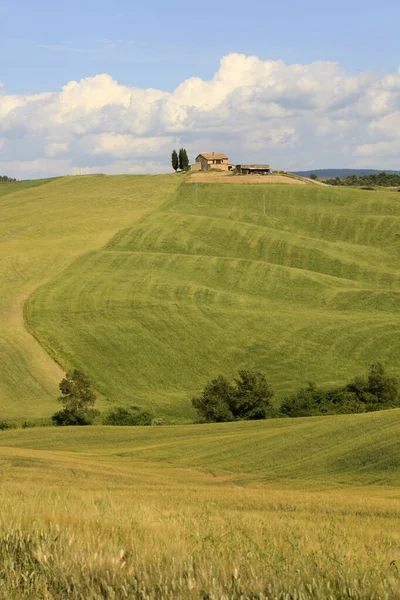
[(181, 159), (185, 159), (174, 160)]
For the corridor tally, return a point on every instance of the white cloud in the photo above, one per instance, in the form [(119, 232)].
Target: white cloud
[(55, 148), (292, 116)]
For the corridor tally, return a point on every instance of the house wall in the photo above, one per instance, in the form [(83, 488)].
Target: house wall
[(203, 163), (221, 164), (212, 163)]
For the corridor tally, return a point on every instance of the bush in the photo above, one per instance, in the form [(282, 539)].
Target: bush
[(311, 401), (67, 417), (361, 395), (132, 416), (248, 398), (7, 425)]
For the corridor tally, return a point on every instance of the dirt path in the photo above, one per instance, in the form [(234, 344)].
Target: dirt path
[(313, 181)]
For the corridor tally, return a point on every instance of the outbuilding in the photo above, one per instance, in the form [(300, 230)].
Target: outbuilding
[(253, 169)]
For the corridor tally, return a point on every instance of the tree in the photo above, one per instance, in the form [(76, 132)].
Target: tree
[(313, 176), (183, 160), (252, 396), (382, 386), (248, 398), (174, 160), (378, 390), (77, 399), (215, 402)]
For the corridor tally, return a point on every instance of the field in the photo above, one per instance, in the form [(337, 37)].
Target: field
[(44, 226), (152, 285), (285, 509), (301, 282), (215, 177)]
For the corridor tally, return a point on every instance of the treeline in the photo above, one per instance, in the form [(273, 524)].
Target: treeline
[(5, 179), (251, 397), (248, 397), (375, 179)]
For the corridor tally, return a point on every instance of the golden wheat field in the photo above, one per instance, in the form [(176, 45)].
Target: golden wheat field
[(212, 511)]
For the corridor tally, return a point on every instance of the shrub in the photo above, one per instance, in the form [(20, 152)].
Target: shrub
[(311, 401), (132, 416), (7, 425), (360, 395)]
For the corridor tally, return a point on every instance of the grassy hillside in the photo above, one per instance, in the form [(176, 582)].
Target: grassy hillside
[(44, 226), (208, 283), (295, 508), (308, 452), (18, 186)]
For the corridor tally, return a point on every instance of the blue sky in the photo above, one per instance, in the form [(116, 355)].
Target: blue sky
[(249, 99), (150, 44)]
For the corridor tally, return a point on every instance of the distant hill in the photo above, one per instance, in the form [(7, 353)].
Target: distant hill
[(330, 173)]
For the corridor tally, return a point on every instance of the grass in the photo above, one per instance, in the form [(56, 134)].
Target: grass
[(152, 288), (45, 226), (293, 508), (18, 186), (208, 283)]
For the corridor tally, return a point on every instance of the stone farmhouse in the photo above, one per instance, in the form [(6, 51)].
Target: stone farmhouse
[(211, 160), (215, 160)]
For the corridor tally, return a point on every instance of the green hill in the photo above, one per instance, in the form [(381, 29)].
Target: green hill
[(152, 285), (207, 283), (44, 226)]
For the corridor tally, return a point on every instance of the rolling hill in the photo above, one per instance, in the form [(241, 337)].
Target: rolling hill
[(210, 281), (44, 226), (350, 450)]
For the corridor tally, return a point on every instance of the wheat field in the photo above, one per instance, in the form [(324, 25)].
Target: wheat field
[(286, 509)]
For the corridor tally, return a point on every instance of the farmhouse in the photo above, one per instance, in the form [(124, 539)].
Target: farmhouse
[(253, 169), (212, 160)]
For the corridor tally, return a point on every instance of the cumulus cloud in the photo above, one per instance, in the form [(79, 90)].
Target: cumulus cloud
[(292, 116)]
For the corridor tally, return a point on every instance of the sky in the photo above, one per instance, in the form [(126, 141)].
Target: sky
[(113, 87)]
